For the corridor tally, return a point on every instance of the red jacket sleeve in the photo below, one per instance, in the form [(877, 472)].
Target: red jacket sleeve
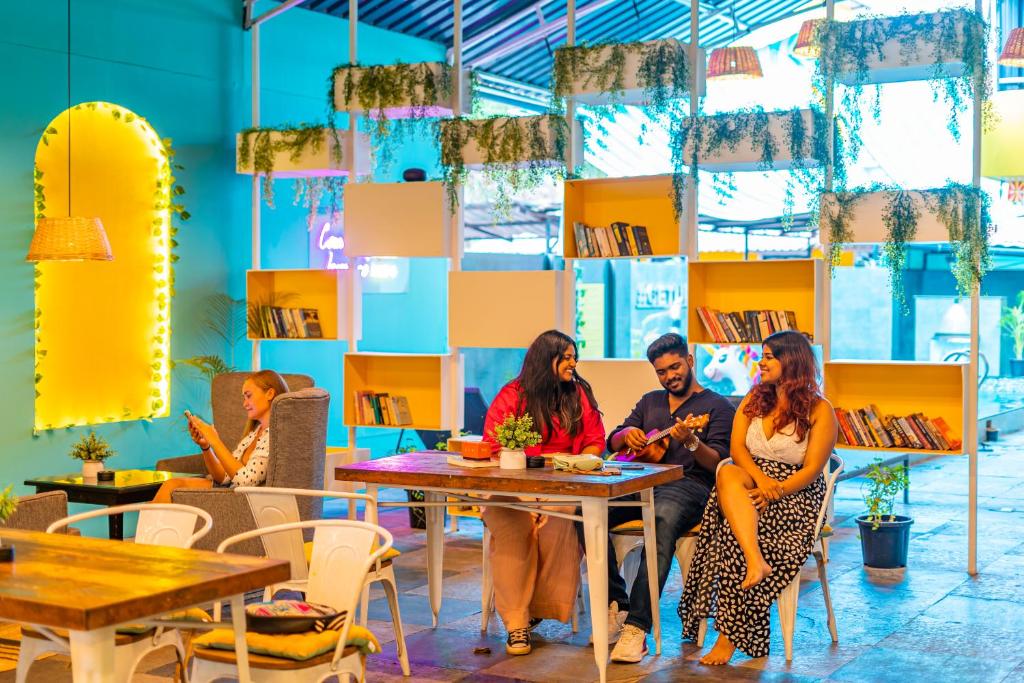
[(593, 427), (505, 403)]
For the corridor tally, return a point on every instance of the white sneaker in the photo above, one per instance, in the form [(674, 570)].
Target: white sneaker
[(632, 645), (616, 618)]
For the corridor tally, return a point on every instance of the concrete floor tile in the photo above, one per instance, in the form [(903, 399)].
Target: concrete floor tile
[(416, 609), (920, 666)]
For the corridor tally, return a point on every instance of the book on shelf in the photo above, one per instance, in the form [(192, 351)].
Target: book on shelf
[(276, 322), (744, 326), (870, 428), (381, 408), (617, 239)]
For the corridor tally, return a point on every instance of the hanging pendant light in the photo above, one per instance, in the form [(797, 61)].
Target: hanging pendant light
[(727, 63), (733, 63), (71, 238), (1013, 51), (807, 44)]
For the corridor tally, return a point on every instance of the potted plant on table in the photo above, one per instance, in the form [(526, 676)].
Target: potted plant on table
[(515, 434), (1013, 322), (92, 450), (8, 504), (884, 536)]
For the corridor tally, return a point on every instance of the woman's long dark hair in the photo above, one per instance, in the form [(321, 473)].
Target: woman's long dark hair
[(544, 396), (799, 382)]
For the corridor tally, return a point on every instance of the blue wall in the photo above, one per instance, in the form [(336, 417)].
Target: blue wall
[(184, 65)]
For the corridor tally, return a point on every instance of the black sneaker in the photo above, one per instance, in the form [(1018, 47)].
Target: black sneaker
[(518, 642), (534, 622)]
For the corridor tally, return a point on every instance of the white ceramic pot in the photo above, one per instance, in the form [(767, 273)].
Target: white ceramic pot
[(90, 468), (512, 460)]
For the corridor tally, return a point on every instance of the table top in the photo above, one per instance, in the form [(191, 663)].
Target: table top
[(83, 583), (430, 469), (123, 480)]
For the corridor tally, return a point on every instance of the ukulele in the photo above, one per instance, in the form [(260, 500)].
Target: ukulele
[(657, 441)]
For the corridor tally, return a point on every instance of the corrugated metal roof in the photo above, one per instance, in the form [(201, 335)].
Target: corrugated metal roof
[(490, 27)]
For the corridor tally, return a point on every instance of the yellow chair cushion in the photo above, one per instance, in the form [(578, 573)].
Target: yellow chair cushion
[(633, 525), (391, 553), (826, 531), (297, 646), (190, 614)]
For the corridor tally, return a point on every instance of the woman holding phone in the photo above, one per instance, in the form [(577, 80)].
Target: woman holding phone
[(247, 464)]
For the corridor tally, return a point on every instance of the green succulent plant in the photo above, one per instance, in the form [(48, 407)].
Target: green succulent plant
[(92, 447)]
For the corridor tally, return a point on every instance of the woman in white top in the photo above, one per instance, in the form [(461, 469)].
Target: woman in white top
[(758, 527), (247, 464)]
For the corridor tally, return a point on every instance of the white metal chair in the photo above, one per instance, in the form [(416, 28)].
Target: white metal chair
[(341, 548), (169, 525), (274, 506), (787, 600)]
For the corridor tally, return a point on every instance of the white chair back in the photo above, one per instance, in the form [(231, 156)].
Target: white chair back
[(835, 468), (165, 524), (276, 506)]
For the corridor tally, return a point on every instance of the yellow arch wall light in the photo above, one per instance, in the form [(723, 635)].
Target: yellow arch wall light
[(103, 329)]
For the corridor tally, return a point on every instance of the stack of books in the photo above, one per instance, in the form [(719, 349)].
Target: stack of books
[(744, 326), (381, 408), (619, 239), (288, 323), (870, 428)]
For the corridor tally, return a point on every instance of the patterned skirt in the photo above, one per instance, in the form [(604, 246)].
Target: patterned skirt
[(785, 532)]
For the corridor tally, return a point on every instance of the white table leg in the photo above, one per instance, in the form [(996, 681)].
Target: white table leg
[(651, 551), (435, 550), (595, 536), (241, 649), (92, 655)]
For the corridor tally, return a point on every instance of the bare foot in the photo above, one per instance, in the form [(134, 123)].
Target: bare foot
[(721, 653), (756, 574)]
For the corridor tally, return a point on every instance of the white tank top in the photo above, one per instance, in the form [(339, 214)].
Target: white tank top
[(782, 447)]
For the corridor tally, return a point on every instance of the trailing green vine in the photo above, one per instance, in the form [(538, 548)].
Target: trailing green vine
[(847, 48), (965, 211), (420, 87), (320, 195), (900, 220), (258, 146), (519, 153)]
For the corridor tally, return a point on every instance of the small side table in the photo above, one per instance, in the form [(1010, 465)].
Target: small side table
[(129, 486)]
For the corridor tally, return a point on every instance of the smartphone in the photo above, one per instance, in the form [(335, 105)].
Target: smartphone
[(630, 466), (188, 413)]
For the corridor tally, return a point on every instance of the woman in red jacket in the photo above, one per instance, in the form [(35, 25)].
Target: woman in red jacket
[(535, 558)]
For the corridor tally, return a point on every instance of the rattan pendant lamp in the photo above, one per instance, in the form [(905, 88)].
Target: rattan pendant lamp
[(70, 238), (734, 63), (1013, 52)]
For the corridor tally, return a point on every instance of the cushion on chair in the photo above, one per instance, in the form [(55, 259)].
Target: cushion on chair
[(826, 531), (296, 646), (126, 638), (191, 614), (636, 528), (389, 554)]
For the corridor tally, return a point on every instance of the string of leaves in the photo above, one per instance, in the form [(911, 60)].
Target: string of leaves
[(258, 147), (949, 36), (420, 87), (965, 211), (519, 153)]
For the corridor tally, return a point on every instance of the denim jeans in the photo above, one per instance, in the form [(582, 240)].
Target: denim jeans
[(677, 508)]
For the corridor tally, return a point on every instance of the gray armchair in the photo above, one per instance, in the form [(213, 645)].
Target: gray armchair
[(38, 511), (298, 445), (228, 417)]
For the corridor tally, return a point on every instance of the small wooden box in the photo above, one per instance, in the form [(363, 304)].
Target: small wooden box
[(471, 447)]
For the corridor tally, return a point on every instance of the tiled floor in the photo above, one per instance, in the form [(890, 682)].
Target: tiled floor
[(934, 623)]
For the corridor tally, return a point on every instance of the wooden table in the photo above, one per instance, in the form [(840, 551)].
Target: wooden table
[(90, 586), (129, 486), (431, 472)]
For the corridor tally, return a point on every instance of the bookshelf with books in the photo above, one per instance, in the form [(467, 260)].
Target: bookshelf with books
[(304, 305), (475, 321), (420, 379), (408, 220), (901, 406), (615, 217), (744, 301)]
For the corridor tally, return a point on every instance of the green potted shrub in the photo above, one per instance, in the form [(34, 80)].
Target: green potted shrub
[(92, 450), (1013, 322), (8, 504), (515, 434), (884, 536)]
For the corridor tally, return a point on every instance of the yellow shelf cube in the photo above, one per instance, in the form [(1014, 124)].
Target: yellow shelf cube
[(641, 200), (325, 290), (776, 285), (422, 378), (901, 388), (397, 219)]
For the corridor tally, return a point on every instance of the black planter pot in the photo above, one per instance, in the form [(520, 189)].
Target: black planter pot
[(885, 547), (417, 515), (1016, 367)]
